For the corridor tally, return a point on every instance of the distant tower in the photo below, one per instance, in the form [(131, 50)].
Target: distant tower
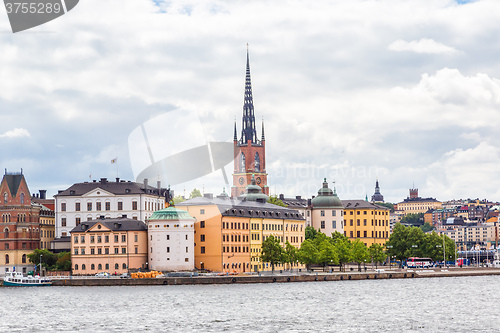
[(377, 197), (249, 152), (413, 192)]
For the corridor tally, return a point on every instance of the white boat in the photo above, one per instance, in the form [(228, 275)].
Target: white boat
[(17, 279), (496, 262)]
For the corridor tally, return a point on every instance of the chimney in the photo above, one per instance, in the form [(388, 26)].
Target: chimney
[(309, 202), (104, 180), (282, 196), (43, 194), (145, 183), (208, 195), (298, 197), (117, 179)]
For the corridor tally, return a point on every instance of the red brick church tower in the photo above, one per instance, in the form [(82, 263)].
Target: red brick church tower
[(249, 152)]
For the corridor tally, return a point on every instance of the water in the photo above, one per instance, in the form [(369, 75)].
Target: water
[(460, 304)]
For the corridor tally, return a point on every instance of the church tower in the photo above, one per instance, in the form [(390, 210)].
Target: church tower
[(249, 152)]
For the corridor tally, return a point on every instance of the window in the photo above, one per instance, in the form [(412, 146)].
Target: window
[(187, 249), (78, 221), (202, 238), (92, 239), (116, 250), (82, 239), (99, 251), (202, 249), (136, 238), (120, 205), (358, 233), (92, 267), (106, 239), (98, 206), (84, 267), (99, 267), (63, 222), (202, 224), (89, 206), (351, 234), (117, 266), (357, 222), (322, 224), (124, 238), (334, 213), (106, 250), (107, 205), (334, 224), (77, 206), (168, 248), (23, 259), (186, 259), (257, 162), (116, 238), (364, 222), (186, 237), (5, 198), (75, 239), (134, 205), (124, 266), (7, 246), (202, 211), (63, 207), (242, 162), (92, 251), (365, 233), (107, 266), (322, 213), (124, 250), (136, 250), (76, 267)]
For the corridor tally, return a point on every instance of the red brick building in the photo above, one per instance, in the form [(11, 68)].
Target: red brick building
[(19, 224), (249, 152)]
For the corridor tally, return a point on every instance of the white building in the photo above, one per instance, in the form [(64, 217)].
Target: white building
[(92, 200), (327, 211), (171, 240)]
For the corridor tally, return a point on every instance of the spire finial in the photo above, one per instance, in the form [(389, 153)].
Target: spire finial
[(263, 136), (248, 132)]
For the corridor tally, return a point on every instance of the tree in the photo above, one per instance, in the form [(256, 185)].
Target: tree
[(377, 254), (311, 233), (178, 199), (290, 254), (426, 227), (272, 252), (327, 253), (48, 258), (359, 253), (195, 193), (413, 219), (273, 199), (343, 247), (308, 253), (387, 205), (63, 261)]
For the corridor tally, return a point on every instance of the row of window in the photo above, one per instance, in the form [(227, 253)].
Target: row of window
[(334, 224), (81, 251), (378, 223), (99, 267), (99, 238), (150, 206), (23, 259), (233, 225), (6, 198), (365, 212), (334, 213), (168, 249), (24, 246), (233, 249), (375, 234), (234, 238), (19, 218)]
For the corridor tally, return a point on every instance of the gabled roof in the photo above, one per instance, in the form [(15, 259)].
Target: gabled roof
[(13, 181), (115, 224), (117, 188)]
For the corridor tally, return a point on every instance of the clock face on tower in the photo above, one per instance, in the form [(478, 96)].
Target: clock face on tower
[(241, 180), (258, 180)]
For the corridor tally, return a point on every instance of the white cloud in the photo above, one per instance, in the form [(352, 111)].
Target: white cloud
[(16, 133), (421, 46)]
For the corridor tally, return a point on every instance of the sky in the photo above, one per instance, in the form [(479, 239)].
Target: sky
[(403, 91)]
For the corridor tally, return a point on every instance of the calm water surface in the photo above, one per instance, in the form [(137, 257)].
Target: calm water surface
[(461, 304)]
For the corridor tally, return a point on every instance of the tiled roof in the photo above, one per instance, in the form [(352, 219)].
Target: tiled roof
[(13, 181), (358, 204), (115, 224), (120, 187)]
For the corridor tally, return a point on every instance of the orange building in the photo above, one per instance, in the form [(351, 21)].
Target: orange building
[(115, 245), (229, 233)]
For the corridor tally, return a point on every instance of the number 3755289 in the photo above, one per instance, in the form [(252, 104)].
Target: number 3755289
[(33, 7)]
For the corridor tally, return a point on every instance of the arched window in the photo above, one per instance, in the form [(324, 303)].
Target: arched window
[(107, 266), (99, 267), (257, 162), (5, 198), (7, 259), (6, 233), (124, 266), (83, 267), (76, 267), (92, 267), (22, 198), (242, 163), (117, 266), (23, 259)]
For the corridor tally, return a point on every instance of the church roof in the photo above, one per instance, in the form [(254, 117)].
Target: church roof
[(326, 198)]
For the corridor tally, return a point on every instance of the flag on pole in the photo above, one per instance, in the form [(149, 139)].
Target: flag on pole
[(113, 161)]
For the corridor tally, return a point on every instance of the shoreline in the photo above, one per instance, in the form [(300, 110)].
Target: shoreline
[(285, 277)]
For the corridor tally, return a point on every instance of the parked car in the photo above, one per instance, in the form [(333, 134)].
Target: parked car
[(125, 276), (102, 274)]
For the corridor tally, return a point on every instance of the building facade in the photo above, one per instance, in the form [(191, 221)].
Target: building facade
[(415, 204), (113, 245), (111, 199), (249, 152), (327, 211), (47, 227), (171, 240), (19, 224), (366, 221)]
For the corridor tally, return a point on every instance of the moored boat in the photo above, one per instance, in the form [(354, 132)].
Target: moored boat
[(17, 279)]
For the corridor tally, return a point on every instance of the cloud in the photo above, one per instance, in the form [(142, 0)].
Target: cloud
[(421, 46), (16, 133)]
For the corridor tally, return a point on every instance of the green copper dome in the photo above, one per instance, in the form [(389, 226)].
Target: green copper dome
[(326, 198), (171, 213), (253, 192)]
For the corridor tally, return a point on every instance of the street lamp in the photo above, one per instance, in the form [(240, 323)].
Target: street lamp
[(40, 264), (413, 252)]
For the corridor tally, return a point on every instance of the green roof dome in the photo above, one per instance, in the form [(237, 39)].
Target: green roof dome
[(171, 213), (253, 192), (326, 198)]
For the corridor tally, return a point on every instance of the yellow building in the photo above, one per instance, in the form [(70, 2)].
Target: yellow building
[(109, 245), (229, 233), (47, 227), (415, 204), (366, 221)]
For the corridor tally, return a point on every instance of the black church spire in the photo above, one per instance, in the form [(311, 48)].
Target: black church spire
[(248, 131)]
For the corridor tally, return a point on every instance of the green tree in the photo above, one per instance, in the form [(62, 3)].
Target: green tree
[(289, 254), (311, 233), (327, 254), (344, 252), (272, 252), (48, 258), (426, 227), (178, 199), (63, 262), (377, 254), (413, 219), (387, 205), (397, 245), (273, 199), (359, 253), (308, 253), (195, 193)]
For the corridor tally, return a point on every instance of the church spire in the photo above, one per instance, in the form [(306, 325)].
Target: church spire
[(248, 122), (263, 136), (235, 135)]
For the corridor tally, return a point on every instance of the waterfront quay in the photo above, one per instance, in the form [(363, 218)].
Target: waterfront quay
[(277, 277)]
